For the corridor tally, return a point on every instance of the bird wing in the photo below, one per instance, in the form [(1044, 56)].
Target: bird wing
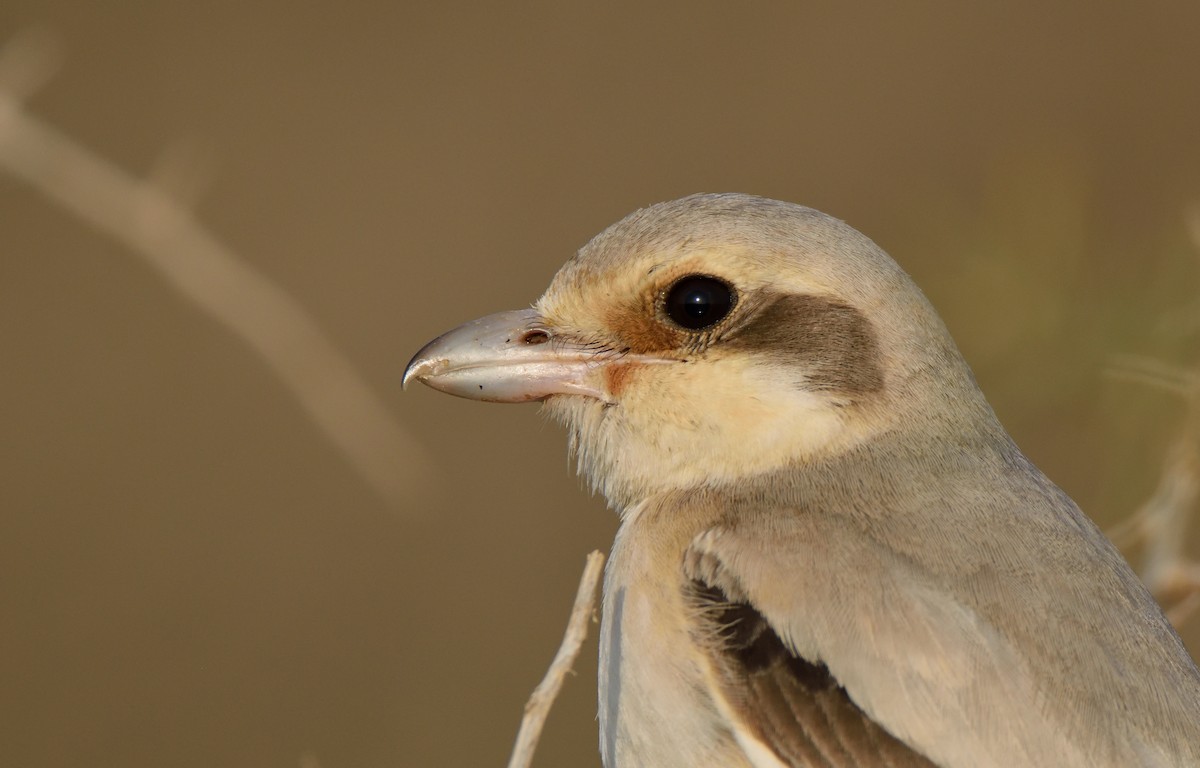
[(775, 697), (779, 699), (826, 645)]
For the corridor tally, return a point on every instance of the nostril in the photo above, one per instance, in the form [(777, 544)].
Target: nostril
[(536, 337)]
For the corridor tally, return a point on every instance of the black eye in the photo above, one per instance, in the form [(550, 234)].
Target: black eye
[(698, 301)]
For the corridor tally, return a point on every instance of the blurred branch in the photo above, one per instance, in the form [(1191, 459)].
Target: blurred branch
[(1160, 525), (1191, 219), (156, 226), (538, 706), (1185, 320), (1154, 374), (28, 61)]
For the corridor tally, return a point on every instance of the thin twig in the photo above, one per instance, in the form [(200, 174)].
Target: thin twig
[(1152, 373), (1169, 511), (1160, 524), (157, 227), (538, 706)]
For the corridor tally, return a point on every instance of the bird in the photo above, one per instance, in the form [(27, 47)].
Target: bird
[(830, 552)]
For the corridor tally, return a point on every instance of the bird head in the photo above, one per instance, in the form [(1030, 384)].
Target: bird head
[(713, 338)]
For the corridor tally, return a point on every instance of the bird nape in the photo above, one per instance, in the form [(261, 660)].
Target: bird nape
[(830, 552)]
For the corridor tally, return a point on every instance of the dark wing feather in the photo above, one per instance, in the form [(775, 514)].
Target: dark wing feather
[(793, 706)]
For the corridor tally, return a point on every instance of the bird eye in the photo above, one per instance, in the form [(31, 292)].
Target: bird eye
[(698, 301)]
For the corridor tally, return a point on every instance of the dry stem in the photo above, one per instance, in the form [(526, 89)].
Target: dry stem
[(538, 706)]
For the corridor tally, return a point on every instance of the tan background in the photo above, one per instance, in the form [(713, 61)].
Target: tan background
[(190, 575)]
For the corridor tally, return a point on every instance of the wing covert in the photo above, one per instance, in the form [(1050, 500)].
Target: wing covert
[(793, 706)]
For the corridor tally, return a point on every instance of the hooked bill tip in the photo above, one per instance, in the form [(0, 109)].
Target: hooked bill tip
[(418, 368)]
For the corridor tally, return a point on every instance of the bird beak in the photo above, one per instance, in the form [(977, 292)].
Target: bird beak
[(508, 357)]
